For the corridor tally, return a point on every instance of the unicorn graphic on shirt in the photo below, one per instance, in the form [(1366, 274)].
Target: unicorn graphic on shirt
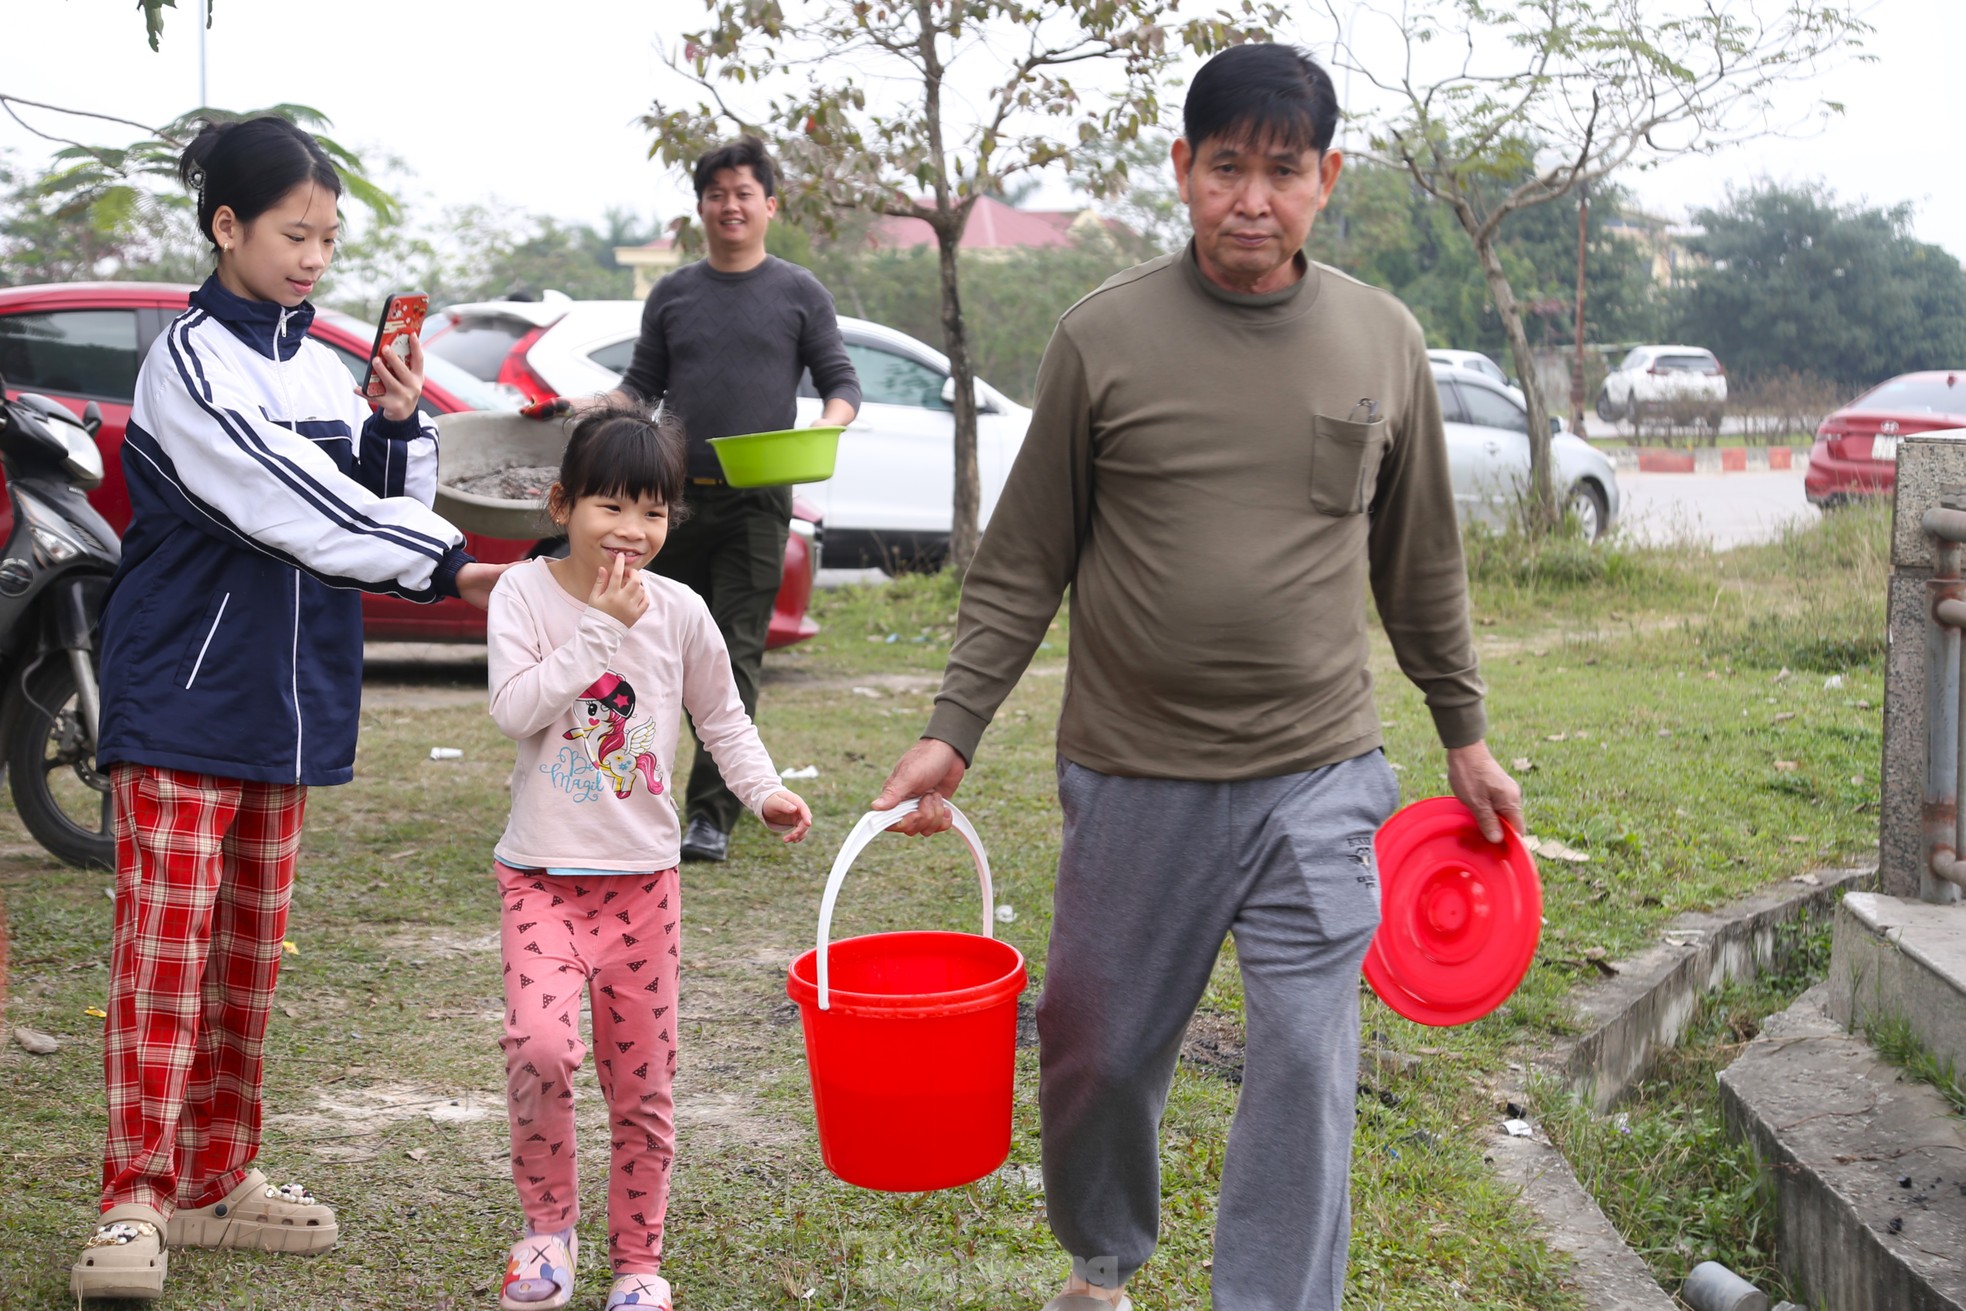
[(619, 748)]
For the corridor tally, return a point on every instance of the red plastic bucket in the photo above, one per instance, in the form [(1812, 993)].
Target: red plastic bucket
[(910, 1040)]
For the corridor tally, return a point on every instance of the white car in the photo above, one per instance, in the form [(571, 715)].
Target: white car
[(888, 503), (1488, 457), (1679, 382), (1470, 360)]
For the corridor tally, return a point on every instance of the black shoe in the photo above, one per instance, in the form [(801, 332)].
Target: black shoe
[(703, 841)]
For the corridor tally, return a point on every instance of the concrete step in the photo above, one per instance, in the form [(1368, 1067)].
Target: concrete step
[(1869, 1165), (1894, 959)]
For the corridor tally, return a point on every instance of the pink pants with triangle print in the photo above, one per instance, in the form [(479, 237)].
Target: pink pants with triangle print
[(617, 937)]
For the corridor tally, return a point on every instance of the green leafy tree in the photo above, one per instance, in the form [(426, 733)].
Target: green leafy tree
[(1550, 96), (1796, 282), (134, 188), (1012, 300), (915, 108), (1152, 219)]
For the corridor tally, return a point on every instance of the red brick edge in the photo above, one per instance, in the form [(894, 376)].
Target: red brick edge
[(1657, 461), (1732, 459)]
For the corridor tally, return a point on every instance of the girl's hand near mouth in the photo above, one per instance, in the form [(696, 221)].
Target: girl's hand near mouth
[(618, 592)]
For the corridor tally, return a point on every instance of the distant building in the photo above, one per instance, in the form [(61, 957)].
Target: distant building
[(994, 229), (650, 261), (1665, 242)]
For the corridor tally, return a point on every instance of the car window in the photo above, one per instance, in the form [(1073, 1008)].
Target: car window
[(1492, 369), (1491, 409), (1945, 395), (91, 353), (469, 390), (1686, 363), (890, 379), (478, 346), (1635, 360), (615, 358), (1451, 409)]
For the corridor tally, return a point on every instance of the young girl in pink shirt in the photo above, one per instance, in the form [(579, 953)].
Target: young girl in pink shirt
[(592, 661)]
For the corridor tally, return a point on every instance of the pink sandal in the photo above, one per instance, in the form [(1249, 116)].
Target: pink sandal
[(537, 1260), (643, 1292)]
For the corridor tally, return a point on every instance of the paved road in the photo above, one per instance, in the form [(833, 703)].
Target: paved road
[(1726, 509)]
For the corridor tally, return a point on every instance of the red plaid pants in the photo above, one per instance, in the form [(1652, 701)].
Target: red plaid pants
[(204, 875)]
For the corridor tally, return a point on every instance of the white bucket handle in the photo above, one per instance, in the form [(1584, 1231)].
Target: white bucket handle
[(871, 825)]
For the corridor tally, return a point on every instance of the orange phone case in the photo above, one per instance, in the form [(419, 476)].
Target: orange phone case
[(402, 316)]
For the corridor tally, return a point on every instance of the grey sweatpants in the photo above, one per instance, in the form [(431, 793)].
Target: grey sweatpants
[(1153, 874)]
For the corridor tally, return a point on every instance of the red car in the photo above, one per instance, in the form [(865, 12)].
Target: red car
[(1856, 451), (78, 342)]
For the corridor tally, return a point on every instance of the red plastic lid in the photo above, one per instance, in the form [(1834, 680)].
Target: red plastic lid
[(1459, 916)]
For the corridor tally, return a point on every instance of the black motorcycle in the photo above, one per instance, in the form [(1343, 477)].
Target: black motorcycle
[(54, 573)]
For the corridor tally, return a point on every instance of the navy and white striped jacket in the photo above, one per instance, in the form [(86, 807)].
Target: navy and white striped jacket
[(266, 498)]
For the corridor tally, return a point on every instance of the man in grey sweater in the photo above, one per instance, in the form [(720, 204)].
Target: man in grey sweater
[(1227, 446), (723, 345)]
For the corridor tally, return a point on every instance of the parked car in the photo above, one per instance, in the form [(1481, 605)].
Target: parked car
[(1470, 360), (888, 502), (1669, 381), (1856, 450), (1488, 456), (83, 341)]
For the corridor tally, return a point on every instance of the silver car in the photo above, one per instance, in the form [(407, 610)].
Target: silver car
[(1488, 454)]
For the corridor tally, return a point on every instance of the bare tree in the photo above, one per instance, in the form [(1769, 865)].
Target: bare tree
[(1565, 92), (916, 108)]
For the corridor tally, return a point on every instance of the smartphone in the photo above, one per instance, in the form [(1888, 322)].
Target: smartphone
[(402, 318)]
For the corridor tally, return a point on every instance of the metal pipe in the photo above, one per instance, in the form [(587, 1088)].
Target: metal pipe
[(1944, 523), (1941, 879)]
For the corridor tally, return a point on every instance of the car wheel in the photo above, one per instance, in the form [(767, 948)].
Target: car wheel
[(1604, 410), (1713, 421), (1588, 508)]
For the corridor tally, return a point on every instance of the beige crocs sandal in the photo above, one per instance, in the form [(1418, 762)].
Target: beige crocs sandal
[(124, 1257), (1086, 1302), (640, 1293), (259, 1216)]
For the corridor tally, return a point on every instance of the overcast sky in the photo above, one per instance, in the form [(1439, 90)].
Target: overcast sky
[(535, 104)]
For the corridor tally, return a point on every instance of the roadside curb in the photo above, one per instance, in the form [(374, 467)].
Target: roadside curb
[(1704, 459), (1627, 1019)]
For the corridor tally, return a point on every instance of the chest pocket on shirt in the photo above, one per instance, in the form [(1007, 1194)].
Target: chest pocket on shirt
[(1345, 458)]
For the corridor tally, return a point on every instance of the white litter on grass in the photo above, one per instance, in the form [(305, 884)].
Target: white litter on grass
[(446, 753), (37, 1043), (1833, 682), (868, 691), (1006, 914), (804, 771), (1518, 1128), (1551, 849)]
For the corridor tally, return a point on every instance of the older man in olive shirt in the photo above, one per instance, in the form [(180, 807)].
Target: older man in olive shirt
[(1227, 446)]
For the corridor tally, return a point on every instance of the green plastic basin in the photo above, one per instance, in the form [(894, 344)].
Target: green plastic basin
[(771, 459)]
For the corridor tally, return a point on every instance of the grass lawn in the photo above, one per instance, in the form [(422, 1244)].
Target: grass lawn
[(1698, 725)]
